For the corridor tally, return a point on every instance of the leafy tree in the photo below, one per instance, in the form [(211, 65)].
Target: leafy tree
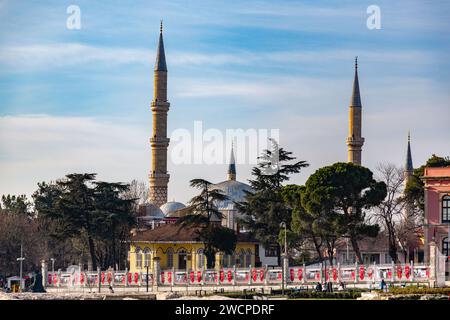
[(340, 193), (264, 209), (415, 188), (114, 215), (389, 213), (203, 213), (13, 204), (85, 210), (302, 222)]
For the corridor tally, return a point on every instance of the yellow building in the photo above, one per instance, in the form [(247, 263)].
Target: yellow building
[(178, 248)]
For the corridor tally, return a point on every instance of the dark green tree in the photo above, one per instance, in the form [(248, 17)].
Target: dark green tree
[(89, 211), (204, 215), (265, 209), (13, 204), (338, 195), (114, 217), (415, 188)]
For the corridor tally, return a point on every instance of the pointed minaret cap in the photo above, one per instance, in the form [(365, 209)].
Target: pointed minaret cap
[(232, 166), (409, 164), (160, 64), (355, 101)]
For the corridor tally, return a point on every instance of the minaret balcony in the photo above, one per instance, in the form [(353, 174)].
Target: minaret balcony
[(355, 141), (159, 142), (162, 106)]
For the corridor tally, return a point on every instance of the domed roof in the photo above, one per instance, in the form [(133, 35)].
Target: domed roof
[(150, 211), (234, 190), (171, 206)]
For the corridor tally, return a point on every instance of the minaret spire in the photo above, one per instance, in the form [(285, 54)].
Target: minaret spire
[(354, 140), (232, 166), (160, 64), (356, 97), (159, 177), (409, 163)]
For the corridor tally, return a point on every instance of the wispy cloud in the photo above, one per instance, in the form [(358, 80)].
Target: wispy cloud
[(69, 54)]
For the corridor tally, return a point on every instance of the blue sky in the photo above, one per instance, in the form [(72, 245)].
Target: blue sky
[(78, 100)]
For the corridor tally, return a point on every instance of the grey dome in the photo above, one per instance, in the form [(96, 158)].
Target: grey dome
[(150, 211), (234, 190), (171, 206)]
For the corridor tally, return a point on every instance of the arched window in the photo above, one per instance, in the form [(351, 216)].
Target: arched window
[(200, 258), (170, 258), (445, 247), (248, 258), (446, 208), (147, 257), (138, 253), (241, 260)]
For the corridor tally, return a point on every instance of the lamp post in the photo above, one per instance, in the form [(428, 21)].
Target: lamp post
[(146, 278), (283, 225), (21, 263)]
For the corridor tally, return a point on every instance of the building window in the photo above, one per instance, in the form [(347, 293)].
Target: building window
[(146, 257), (248, 259), (170, 258), (241, 261), (446, 208), (271, 251), (138, 253), (200, 259), (445, 248), (387, 258)]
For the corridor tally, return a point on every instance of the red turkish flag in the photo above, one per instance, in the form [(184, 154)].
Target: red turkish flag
[(300, 274), (191, 276), (361, 273), (291, 271), (169, 277), (229, 276), (221, 277), (399, 272), (261, 275), (162, 277), (407, 272), (199, 276), (254, 274), (334, 274)]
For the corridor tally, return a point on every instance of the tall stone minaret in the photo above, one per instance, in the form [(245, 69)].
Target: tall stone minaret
[(354, 140), (409, 169), (407, 174), (159, 178)]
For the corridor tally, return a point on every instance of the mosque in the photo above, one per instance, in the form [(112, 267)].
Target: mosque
[(160, 238)]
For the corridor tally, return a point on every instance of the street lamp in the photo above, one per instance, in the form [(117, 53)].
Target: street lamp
[(21, 262), (283, 225), (146, 266)]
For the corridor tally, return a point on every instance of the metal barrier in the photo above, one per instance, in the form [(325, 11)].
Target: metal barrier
[(355, 274)]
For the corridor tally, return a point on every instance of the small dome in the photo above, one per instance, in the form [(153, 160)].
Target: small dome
[(234, 190), (171, 207), (150, 211)]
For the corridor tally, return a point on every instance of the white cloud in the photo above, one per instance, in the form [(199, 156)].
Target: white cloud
[(26, 57)]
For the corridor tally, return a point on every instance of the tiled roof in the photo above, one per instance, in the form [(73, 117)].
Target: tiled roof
[(176, 233)]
